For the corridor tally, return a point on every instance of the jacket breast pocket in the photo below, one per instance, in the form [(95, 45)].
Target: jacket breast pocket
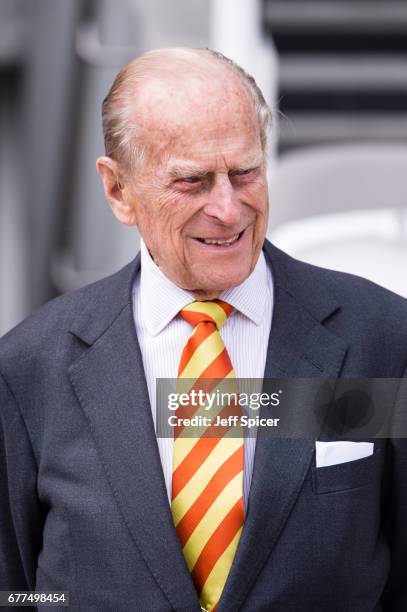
[(349, 475)]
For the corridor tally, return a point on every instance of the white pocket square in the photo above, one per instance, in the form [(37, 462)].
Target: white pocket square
[(332, 453)]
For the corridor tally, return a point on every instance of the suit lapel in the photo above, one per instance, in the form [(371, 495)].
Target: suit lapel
[(109, 382), (299, 347)]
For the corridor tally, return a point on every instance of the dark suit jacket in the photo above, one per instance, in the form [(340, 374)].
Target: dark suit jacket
[(83, 505)]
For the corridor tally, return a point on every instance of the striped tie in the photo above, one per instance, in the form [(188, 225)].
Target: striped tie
[(207, 483)]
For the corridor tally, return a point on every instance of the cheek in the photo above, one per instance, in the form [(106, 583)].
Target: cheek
[(156, 209), (255, 195), (176, 211)]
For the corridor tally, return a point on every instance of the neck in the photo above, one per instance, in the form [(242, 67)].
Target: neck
[(203, 296), (199, 295)]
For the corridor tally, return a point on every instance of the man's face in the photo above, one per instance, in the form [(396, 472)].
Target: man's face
[(201, 197)]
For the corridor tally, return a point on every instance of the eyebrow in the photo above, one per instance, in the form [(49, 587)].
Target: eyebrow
[(182, 170), (178, 171)]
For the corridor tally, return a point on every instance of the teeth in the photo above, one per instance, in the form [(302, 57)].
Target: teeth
[(229, 241)]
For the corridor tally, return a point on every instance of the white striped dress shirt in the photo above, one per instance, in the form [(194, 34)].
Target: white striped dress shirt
[(162, 336)]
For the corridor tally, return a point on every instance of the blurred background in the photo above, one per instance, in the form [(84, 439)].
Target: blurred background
[(334, 72)]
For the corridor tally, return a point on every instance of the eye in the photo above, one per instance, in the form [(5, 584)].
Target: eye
[(242, 172), (191, 179)]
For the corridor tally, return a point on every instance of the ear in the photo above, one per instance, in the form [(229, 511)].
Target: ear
[(116, 190)]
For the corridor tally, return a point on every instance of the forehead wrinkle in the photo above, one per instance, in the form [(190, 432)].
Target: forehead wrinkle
[(181, 154), (173, 121)]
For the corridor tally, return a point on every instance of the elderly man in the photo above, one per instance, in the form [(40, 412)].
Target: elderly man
[(94, 502)]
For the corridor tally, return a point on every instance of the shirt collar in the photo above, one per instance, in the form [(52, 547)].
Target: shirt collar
[(161, 299)]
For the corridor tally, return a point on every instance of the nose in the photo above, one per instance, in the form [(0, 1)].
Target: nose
[(222, 201)]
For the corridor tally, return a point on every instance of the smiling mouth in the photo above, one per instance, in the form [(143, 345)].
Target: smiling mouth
[(221, 242)]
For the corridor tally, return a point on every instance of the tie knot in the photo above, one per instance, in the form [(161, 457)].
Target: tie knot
[(213, 312)]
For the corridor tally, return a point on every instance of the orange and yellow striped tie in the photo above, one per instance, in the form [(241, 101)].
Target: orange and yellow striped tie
[(207, 483)]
